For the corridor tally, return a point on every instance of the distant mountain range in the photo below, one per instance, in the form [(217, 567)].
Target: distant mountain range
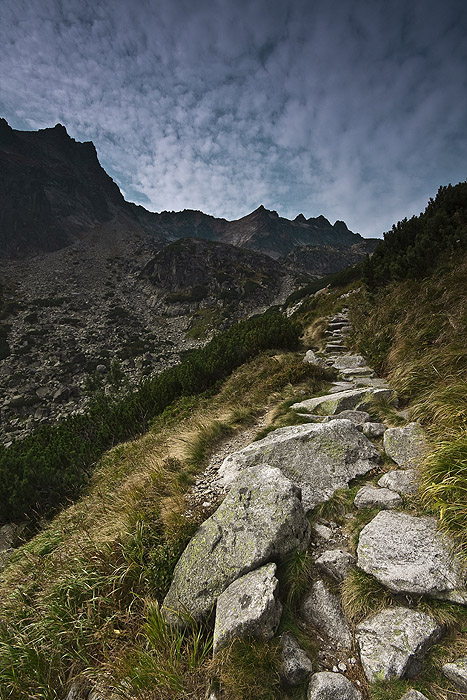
[(53, 191)]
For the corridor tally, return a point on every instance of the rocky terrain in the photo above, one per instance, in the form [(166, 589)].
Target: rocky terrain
[(112, 308), (230, 565)]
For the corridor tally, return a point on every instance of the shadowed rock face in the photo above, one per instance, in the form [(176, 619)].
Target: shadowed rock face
[(52, 189)]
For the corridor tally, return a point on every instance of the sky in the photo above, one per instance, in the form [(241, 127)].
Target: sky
[(354, 109)]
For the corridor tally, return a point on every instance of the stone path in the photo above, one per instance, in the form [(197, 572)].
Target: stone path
[(228, 569), (271, 485)]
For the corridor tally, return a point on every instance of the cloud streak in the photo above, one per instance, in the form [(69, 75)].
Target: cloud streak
[(354, 110)]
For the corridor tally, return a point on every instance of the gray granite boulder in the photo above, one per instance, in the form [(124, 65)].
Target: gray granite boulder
[(407, 446), (350, 399), (352, 372), (295, 665), (375, 382), (374, 430), (394, 642), (248, 607), (403, 481), (320, 457), (331, 686), (371, 497), (323, 609), (456, 671), (336, 563), (357, 417), (349, 362), (261, 518), (312, 359), (407, 554)]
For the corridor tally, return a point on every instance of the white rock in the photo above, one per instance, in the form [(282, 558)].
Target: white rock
[(248, 607), (456, 671), (407, 554), (350, 399), (371, 497), (407, 446), (394, 642), (323, 609), (261, 518), (349, 362), (374, 430), (413, 695), (336, 563), (403, 481), (331, 686)]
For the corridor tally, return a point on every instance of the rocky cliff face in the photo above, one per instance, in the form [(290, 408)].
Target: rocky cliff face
[(114, 299), (320, 260), (52, 191)]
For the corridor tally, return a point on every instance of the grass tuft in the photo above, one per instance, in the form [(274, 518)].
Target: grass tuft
[(248, 668), (362, 596)]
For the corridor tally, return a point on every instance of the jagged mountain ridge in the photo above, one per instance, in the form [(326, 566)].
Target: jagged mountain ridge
[(54, 190)]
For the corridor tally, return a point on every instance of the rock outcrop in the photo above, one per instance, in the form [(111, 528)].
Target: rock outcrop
[(261, 519), (319, 458)]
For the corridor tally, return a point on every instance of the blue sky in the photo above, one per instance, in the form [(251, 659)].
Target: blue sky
[(355, 109)]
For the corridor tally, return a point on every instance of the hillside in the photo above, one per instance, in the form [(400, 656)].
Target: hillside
[(85, 592)]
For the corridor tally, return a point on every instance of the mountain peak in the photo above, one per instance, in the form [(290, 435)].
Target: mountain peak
[(300, 219)]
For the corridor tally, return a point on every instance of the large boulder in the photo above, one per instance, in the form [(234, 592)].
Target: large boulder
[(407, 554), (456, 671), (350, 399), (248, 607), (261, 518), (394, 642), (319, 457), (323, 609), (331, 686), (407, 446), (295, 665)]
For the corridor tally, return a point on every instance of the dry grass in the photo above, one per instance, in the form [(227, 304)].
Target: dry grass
[(76, 596)]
